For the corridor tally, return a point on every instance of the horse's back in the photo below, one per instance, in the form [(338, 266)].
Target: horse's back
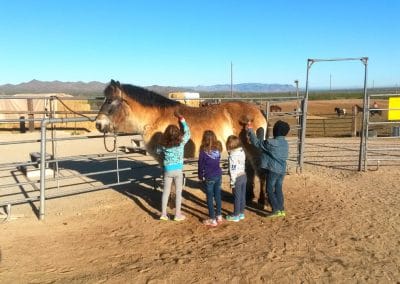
[(224, 119)]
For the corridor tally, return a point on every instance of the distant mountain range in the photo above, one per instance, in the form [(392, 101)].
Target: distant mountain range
[(96, 88)]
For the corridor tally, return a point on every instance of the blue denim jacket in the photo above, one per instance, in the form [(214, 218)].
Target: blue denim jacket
[(274, 152)]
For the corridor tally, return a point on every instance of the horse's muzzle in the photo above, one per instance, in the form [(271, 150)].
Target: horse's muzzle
[(103, 124)]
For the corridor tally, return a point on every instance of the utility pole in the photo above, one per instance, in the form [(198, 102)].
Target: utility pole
[(231, 80), (297, 93)]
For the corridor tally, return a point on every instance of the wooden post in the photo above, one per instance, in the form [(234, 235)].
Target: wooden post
[(354, 121), (30, 115)]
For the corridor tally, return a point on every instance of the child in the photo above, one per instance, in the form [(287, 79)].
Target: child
[(210, 173), (172, 147), (236, 161), (275, 152)]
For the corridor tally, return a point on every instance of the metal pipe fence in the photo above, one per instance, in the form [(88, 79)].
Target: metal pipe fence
[(49, 182), (378, 151)]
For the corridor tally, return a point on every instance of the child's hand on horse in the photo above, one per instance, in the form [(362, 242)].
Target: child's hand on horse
[(178, 114), (249, 125)]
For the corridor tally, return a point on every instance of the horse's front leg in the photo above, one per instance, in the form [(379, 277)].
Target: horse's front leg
[(250, 182)]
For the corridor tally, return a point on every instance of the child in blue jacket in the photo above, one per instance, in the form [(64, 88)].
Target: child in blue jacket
[(275, 152)]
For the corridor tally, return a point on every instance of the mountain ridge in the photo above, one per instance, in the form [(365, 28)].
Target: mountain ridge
[(95, 87)]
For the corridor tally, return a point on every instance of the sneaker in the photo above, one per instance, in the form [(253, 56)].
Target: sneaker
[(179, 218), (232, 218), (274, 214), (282, 213), (210, 222), (164, 218), (241, 216), (220, 219)]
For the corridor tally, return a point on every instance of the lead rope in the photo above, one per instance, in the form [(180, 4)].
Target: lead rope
[(114, 144), (90, 119)]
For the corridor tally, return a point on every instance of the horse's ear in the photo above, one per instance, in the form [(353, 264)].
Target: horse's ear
[(115, 83)]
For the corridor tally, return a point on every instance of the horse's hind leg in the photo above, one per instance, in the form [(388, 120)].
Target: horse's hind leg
[(262, 196)]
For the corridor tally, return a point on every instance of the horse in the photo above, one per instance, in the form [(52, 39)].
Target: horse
[(340, 111), (132, 109), (275, 108), (372, 110), (209, 102), (358, 109)]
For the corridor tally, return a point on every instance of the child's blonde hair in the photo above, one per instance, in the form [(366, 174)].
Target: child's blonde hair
[(233, 142)]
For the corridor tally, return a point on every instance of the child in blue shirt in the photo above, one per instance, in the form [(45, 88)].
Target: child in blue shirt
[(172, 150), (274, 153)]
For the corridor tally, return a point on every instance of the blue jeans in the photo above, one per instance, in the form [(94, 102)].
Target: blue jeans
[(239, 195), (274, 189), (213, 192)]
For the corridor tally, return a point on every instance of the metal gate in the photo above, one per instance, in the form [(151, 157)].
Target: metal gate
[(381, 144)]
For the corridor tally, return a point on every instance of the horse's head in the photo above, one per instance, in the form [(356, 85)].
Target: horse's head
[(111, 108)]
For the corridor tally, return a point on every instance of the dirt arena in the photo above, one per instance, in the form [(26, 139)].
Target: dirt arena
[(342, 226)]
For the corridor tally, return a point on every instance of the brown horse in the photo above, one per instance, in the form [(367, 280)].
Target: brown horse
[(132, 109), (275, 108), (373, 110)]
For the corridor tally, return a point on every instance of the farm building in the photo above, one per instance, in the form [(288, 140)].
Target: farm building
[(187, 98), (36, 106)]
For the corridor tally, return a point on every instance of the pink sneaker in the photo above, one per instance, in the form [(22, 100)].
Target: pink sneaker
[(220, 219), (210, 222), (180, 218)]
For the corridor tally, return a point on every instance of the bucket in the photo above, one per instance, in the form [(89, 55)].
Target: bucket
[(396, 131), (372, 133)]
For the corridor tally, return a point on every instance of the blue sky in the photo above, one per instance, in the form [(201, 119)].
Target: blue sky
[(190, 43)]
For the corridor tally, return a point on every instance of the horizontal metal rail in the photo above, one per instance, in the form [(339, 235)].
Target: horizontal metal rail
[(66, 177), (81, 137), (62, 193)]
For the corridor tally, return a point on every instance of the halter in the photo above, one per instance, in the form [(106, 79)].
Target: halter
[(107, 113)]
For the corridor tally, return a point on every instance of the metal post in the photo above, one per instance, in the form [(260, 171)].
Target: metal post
[(364, 126), (42, 167), (304, 118), (116, 155), (43, 126)]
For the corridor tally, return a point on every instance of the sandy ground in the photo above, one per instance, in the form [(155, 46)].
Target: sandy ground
[(342, 226)]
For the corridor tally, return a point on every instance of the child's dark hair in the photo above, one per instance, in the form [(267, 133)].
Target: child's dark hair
[(281, 128), (210, 142), (233, 142), (172, 136)]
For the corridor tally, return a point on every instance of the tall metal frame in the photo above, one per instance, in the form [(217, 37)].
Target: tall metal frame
[(363, 135)]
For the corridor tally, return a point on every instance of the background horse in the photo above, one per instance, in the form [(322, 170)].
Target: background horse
[(132, 109), (372, 110), (275, 108), (340, 111)]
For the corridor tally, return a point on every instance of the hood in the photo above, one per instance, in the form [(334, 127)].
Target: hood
[(214, 154)]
